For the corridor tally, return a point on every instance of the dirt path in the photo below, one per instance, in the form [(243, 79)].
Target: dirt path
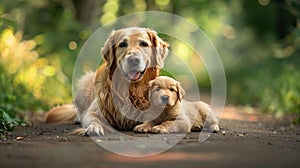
[(247, 139)]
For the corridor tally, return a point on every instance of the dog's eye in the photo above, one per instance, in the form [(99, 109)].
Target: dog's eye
[(172, 90), (144, 44), (123, 44)]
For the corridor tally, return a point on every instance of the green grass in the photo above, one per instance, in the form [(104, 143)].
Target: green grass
[(7, 123), (16, 103)]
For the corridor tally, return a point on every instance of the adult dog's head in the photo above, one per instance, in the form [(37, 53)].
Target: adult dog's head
[(133, 50), (165, 91)]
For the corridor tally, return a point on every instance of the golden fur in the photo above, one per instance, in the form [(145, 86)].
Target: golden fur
[(65, 114), (169, 113), (117, 93)]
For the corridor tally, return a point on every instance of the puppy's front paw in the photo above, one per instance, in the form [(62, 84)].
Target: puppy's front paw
[(214, 128), (159, 129), (94, 129), (142, 128)]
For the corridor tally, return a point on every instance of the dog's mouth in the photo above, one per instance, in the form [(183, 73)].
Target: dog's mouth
[(135, 75)]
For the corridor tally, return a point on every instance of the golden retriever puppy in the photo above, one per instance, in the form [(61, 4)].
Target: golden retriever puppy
[(117, 93), (173, 114)]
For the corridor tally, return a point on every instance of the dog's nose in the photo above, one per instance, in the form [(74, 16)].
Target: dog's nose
[(164, 98), (133, 60)]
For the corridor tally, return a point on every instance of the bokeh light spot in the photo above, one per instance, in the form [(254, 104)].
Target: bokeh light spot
[(107, 18), (72, 45), (8, 37), (264, 2), (229, 32), (140, 5), (162, 2), (39, 39), (111, 7), (49, 70)]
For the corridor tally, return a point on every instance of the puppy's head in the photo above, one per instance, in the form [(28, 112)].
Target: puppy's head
[(133, 50), (165, 91)]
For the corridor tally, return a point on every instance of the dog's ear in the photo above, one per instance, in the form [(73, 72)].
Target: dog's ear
[(150, 86), (159, 47), (108, 51), (151, 83), (180, 91)]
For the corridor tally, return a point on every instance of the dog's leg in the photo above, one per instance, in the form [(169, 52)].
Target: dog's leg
[(91, 120), (85, 95)]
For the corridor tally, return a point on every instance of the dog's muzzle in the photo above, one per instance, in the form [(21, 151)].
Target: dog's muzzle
[(133, 61), (134, 67)]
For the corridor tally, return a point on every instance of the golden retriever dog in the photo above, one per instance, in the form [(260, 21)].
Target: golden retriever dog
[(117, 93), (173, 114)]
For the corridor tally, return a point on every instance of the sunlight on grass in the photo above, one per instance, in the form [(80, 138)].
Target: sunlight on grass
[(21, 60)]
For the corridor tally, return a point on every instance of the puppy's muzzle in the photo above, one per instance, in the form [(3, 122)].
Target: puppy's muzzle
[(164, 99)]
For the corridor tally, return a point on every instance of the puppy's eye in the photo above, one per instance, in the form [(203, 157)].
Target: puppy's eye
[(144, 44), (172, 90), (123, 44), (157, 89)]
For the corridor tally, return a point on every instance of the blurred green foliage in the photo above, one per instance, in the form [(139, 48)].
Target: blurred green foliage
[(7, 123), (258, 42), (264, 71), (273, 87), (13, 103)]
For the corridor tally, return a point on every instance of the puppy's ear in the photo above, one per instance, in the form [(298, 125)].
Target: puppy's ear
[(159, 47), (180, 91), (108, 50)]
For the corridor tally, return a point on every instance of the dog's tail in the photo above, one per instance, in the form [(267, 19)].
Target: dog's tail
[(67, 113), (62, 114)]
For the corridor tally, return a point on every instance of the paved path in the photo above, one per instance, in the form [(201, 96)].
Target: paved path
[(247, 139)]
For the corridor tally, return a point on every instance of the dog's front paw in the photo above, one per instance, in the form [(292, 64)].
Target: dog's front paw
[(142, 128), (159, 129), (94, 129), (214, 128)]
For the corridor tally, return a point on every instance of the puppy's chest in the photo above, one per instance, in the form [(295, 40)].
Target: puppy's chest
[(169, 114)]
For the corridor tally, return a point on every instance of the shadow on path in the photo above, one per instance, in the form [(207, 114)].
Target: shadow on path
[(246, 139)]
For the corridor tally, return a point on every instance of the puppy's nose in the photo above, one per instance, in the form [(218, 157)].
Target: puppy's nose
[(164, 98), (133, 60)]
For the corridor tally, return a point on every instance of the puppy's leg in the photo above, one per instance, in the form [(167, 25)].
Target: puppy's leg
[(145, 127), (176, 126), (197, 126), (162, 128), (212, 121), (91, 120), (206, 115)]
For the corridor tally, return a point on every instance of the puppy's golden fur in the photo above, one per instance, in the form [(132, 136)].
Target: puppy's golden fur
[(171, 113), (117, 93)]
